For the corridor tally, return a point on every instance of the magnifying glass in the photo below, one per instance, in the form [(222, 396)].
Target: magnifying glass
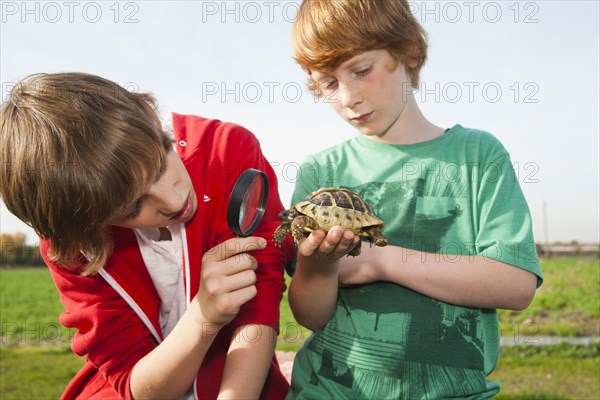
[(247, 202)]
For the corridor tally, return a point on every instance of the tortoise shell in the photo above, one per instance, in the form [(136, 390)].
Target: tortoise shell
[(332, 206)]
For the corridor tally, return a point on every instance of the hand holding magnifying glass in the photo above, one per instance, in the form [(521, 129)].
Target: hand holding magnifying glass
[(247, 202), (235, 275)]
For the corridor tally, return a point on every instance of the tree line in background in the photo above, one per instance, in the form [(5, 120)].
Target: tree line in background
[(14, 251)]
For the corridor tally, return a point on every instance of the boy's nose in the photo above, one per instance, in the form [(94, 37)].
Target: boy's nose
[(349, 97), (169, 200)]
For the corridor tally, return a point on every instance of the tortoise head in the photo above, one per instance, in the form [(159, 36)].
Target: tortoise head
[(287, 216)]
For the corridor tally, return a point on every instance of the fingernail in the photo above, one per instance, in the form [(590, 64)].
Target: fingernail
[(262, 242), (336, 234)]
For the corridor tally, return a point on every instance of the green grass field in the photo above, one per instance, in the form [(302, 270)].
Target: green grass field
[(549, 372), (567, 304), (34, 347)]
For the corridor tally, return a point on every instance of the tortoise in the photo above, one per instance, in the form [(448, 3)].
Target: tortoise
[(329, 207)]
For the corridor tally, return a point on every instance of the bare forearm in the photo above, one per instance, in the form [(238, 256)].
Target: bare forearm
[(169, 370), (248, 362), (313, 293), (472, 281), (227, 282)]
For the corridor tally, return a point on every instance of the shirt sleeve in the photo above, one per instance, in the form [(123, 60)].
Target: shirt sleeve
[(505, 227)]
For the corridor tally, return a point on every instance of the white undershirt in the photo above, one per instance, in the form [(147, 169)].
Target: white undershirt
[(164, 261)]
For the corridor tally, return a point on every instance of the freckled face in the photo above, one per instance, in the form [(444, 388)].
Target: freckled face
[(370, 91), (169, 199)]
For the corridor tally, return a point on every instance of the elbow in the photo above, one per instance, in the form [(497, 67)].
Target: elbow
[(312, 322), (315, 321), (522, 296), (522, 301), (311, 325)]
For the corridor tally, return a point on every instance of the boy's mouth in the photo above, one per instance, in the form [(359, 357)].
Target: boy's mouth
[(186, 211), (362, 118)]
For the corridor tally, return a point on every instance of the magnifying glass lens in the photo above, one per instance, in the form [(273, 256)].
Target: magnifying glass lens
[(251, 204)]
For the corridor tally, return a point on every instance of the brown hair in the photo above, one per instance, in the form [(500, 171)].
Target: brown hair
[(76, 150), (326, 33)]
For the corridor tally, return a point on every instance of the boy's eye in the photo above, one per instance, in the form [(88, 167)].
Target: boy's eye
[(363, 72), (329, 84), (138, 204), (136, 210)]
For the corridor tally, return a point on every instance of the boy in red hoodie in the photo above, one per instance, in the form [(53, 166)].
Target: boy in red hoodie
[(166, 302)]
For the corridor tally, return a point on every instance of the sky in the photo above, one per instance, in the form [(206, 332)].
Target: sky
[(526, 71)]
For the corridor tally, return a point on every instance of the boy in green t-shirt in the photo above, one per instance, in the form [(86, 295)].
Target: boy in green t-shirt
[(415, 319)]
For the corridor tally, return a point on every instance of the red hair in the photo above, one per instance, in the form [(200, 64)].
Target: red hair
[(328, 32)]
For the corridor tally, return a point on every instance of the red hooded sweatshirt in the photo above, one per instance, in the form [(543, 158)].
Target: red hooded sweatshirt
[(116, 312)]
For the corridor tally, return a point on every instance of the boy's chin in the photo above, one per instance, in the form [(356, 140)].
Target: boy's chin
[(367, 130), (371, 134)]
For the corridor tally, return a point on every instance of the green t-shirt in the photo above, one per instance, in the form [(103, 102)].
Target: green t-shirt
[(451, 197)]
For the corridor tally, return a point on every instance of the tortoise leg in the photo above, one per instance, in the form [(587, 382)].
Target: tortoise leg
[(281, 232), (356, 250), (376, 236), (302, 224)]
